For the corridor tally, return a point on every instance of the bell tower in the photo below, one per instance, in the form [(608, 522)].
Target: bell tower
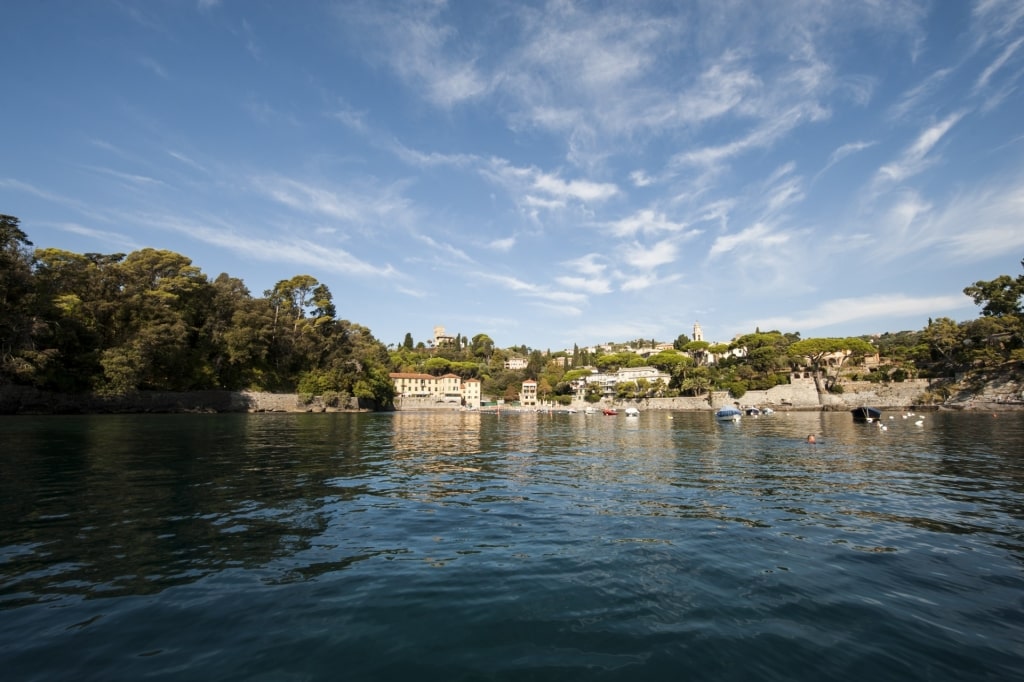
[(698, 333)]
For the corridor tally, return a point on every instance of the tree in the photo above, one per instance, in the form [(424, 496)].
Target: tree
[(407, 343), (16, 309), (815, 352), (1000, 296), (944, 339), (698, 350), (482, 347)]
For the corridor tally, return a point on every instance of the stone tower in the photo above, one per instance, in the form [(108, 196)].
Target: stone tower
[(698, 333)]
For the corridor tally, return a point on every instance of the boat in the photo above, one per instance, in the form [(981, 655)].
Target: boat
[(752, 411), (632, 412), (590, 410), (609, 411), (767, 411), (865, 414), (728, 414)]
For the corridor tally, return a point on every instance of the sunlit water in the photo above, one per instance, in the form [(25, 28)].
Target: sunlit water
[(466, 546)]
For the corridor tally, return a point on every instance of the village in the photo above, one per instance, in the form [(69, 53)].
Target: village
[(417, 390)]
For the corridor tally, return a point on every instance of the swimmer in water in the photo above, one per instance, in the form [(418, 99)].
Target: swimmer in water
[(811, 439)]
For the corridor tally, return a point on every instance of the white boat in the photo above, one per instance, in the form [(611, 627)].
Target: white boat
[(590, 410), (728, 414), (632, 412)]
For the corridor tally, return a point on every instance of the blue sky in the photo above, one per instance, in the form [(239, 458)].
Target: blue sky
[(547, 173)]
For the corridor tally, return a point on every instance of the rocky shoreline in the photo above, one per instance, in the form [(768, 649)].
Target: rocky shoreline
[(1005, 392)]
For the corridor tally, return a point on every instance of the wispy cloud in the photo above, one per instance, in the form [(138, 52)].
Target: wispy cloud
[(356, 206), (649, 257), (590, 264), (758, 235), (449, 249), (153, 66), (648, 221), (417, 44), (916, 96), (503, 245), (997, 64), (186, 160), (845, 310), (117, 239), (589, 285), (915, 158), (534, 188), (533, 290), (843, 151), (127, 178), (27, 188), (646, 281), (295, 249)]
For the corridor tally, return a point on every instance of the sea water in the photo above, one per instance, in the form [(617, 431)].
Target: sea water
[(512, 546)]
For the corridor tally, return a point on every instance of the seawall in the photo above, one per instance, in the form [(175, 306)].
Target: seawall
[(26, 400)]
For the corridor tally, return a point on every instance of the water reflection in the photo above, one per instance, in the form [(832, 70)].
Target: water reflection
[(112, 506)]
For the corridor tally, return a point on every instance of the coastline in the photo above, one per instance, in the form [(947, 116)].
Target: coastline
[(993, 396)]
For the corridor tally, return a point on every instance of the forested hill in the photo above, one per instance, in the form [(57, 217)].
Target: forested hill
[(151, 320), (113, 324)]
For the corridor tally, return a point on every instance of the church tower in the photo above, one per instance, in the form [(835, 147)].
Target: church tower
[(698, 333)]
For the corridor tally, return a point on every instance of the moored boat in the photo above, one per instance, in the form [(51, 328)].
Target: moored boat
[(728, 414), (610, 411), (865, 414), (632, 412)]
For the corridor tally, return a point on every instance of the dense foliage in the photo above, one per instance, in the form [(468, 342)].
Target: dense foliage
[(151, 320)]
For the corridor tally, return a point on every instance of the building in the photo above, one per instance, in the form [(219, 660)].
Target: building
[(607, 381), (516, 363), (471, 394), (651, 374), (413, 385), (449, 388), (441, 339), (528, 394)]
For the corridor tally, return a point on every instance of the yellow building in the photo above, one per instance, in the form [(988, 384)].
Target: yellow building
[(471, 393), (448, 388)]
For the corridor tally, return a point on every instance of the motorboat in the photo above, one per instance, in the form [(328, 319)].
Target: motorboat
[(728, 414), (865, 414), (632, 412), (609, 411)]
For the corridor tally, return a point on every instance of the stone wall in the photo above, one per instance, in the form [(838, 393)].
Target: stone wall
[(26, 400), (425, 403), (800, 395)]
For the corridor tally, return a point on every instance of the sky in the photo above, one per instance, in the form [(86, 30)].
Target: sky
[(548, 173)]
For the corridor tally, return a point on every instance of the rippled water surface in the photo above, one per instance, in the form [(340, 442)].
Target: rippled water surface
[(467, 546)]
